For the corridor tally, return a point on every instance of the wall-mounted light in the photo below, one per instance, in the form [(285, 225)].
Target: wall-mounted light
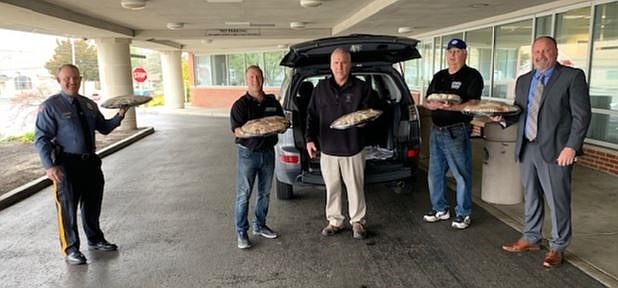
[(297, 25), (133, 4), (175, 25), (310, 3)]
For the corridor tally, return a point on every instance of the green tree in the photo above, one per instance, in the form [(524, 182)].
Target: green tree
[(85, 58)]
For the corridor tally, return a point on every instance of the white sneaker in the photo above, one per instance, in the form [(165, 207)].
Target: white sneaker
[(461, 222), (435, 216)]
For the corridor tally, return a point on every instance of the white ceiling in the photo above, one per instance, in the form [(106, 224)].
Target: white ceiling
[(205, 28)]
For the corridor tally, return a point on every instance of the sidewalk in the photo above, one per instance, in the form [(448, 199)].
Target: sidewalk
[(593, 212)]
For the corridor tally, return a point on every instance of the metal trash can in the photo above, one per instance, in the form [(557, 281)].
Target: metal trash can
[(501, 180)]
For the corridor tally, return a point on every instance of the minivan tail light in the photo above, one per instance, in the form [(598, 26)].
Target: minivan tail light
[(411, 153), (289, 159)]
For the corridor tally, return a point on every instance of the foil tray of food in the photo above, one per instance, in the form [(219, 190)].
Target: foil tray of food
[(264, 126), (444, 97), (125, 101), (491, 108), (355, 118)]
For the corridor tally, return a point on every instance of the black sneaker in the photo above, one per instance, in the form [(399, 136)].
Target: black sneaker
[(461, 222), (243, 240), (435, 216), (265, 232)]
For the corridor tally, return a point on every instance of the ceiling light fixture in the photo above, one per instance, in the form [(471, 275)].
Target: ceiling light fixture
[(224, 1), (133, 4), (404, 29), (297, 25), (237, 23), (310, 3), (175, 25)]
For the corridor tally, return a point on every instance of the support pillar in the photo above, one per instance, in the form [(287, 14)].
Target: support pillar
[(173, 86), (114, 59)]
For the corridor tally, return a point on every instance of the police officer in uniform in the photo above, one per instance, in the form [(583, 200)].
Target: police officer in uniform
[(64, 139)]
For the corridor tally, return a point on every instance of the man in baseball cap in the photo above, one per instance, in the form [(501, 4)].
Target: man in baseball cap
[(456, 43)]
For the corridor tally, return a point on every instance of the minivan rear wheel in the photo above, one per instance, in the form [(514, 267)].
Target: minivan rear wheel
[(284, 191)]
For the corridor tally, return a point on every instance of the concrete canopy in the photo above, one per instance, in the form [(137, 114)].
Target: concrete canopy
[(249, 25)]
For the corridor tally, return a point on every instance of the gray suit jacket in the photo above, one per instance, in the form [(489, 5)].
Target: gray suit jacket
[(564, 112)]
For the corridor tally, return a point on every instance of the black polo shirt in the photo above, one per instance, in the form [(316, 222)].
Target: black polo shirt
[(467, 83), (248, 108)]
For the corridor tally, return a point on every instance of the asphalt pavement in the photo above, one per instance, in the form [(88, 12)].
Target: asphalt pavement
[(168, 204)]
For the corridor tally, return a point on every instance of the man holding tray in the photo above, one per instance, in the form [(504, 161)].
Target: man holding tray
[(342, 150), (255, 157), (449, 142)]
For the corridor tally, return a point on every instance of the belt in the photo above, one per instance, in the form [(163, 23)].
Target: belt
[(446, 128), (80, 156)]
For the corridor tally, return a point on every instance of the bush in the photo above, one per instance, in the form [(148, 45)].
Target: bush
[(157, 100), (27, 138)]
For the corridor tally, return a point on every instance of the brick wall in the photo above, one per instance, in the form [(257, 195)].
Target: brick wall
[(601, 159)]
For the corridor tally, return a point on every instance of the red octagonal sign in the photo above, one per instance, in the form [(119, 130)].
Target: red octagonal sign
[(139, 74)]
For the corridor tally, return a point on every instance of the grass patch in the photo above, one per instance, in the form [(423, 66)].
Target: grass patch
[(26, 138)]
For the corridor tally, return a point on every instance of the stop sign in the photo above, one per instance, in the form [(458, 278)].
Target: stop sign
[(139, 74)]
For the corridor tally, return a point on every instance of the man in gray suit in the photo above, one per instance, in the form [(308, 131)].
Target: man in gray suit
[(552, 128)]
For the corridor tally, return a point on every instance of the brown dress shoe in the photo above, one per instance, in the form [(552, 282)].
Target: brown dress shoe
[(520, 246), (552, 259)]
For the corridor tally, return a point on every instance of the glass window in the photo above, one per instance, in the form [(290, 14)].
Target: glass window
[(236, 69), (604, 74), (412, 72), (203, 76), (273, 72), (254, 59), (511, 57), (543, 26), (427, 64), (437, 54), (479, 54), (572, 36), (219, 66)]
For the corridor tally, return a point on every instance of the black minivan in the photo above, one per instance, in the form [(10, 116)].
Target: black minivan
[(392, 141)]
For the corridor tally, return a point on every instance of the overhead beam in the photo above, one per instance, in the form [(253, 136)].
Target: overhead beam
[(361, 15), (56, 11)]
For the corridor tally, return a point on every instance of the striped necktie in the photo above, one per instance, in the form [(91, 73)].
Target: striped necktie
[(533, 113)]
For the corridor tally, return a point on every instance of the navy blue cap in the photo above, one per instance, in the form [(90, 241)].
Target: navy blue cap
[(456, 43)]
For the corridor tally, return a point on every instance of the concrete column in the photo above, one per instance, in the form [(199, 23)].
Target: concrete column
[(173, 86), (115, 74)]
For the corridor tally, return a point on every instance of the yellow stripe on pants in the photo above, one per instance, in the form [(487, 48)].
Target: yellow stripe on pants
[(63, 240)]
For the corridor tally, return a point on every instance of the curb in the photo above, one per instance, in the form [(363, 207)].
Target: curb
[(34, 186)]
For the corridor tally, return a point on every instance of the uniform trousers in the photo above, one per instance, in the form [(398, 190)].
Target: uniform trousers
[(350, 169), (81, 185)]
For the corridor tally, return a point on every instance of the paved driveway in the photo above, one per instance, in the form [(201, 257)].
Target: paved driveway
[(169, 206)]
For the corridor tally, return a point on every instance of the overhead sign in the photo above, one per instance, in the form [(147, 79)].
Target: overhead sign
[(232, 32), (139, 74)]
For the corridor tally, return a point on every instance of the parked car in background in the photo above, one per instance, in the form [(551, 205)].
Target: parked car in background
[(393, 140)]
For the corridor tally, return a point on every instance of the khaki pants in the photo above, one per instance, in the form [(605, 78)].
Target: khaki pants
[(352, 170)]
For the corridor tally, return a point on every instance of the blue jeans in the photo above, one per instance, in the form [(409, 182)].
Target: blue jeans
[(249, 165), (450, 148)]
